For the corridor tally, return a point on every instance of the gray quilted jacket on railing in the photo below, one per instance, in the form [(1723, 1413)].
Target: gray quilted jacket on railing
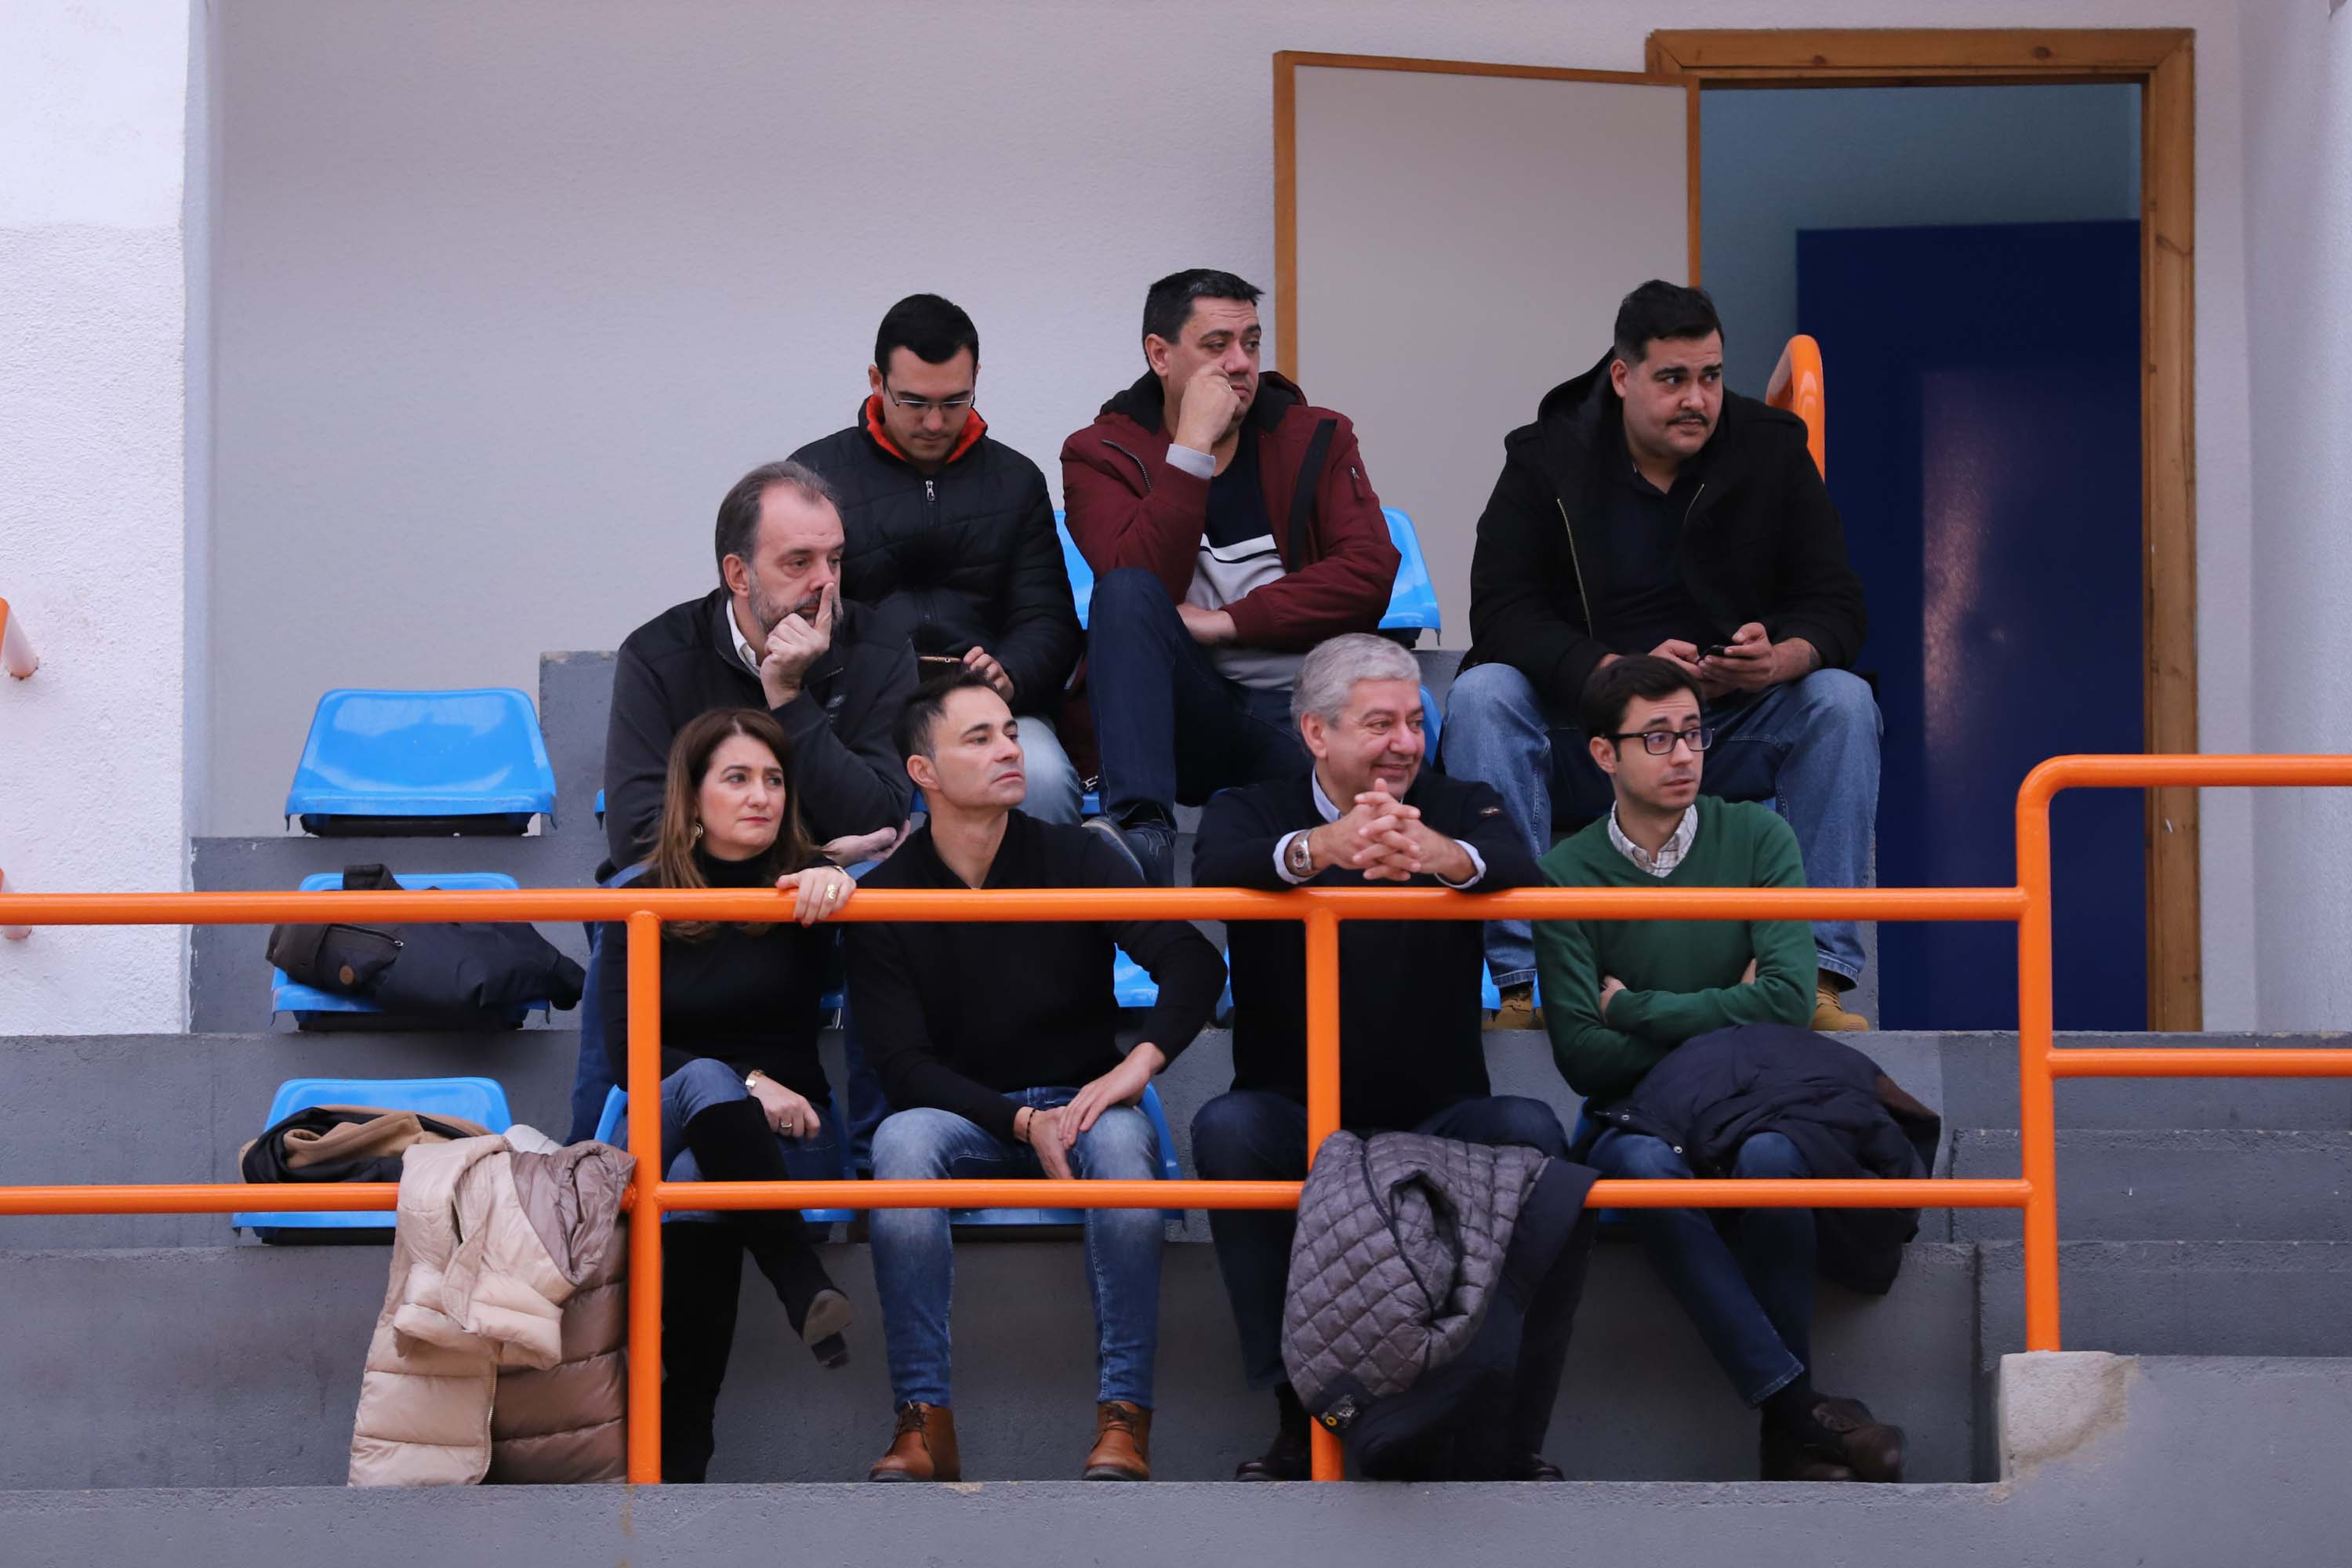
[(1400, 1242)]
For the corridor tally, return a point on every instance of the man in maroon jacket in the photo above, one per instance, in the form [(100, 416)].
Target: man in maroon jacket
[(1231, 529)]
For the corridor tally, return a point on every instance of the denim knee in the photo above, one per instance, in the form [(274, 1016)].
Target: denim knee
[(1121, 1145), (1234, 1137), (1127, 593), (702, 1083), (1635, 1157), (1769, 1154), (1839, 699), (1516, 1120), (1491, 693), (913, 1145)]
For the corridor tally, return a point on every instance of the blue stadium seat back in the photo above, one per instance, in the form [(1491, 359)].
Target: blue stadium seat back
[(599, 808), (1130, 983), (1082, 576), (610, 1129), (1491, 999), (477, 1100), (1433, 722), (306, 1003), (470, 761), (1412, 602), (1169, 1171), (1090, 803)]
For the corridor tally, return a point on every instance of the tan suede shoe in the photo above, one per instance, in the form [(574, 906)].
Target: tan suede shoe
[(1829, 1017), (1122, 1450), (922, 1448), (1518, 1010)]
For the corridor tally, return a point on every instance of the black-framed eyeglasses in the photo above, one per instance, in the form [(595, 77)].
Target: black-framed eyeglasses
[(1658, 742), (922, 406)]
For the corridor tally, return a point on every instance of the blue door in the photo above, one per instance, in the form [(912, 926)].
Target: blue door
[(1984, 454)]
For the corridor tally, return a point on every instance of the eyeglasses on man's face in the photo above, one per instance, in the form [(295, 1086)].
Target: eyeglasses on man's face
[(918, 407), (1658, 742)]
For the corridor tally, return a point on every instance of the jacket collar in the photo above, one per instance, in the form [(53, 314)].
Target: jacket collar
[(1583, 414), (1145, 404), (870, 420)]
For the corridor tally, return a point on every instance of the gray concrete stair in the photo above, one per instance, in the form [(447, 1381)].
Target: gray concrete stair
[(2177, 1184)]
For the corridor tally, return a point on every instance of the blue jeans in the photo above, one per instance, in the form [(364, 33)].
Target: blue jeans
[(1809, 747), (1168, 725), (914, 1254), (705, 1082), (1252, 1134), (1053, 794), (1749, 1293)]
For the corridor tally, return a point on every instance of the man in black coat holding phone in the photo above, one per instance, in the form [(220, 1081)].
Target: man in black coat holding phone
[(1412, 1056)]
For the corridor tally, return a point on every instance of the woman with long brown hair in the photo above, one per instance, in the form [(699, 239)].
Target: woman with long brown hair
[(744, 1098)]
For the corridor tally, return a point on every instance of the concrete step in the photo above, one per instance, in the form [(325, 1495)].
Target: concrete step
[(2181, 1298), (1980, 1073), (240, 1366), (2201, 1184)]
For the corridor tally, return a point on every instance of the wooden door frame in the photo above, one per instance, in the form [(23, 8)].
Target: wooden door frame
[(2161, 62)]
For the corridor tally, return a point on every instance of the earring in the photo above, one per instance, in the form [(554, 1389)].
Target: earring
[(698, 830)]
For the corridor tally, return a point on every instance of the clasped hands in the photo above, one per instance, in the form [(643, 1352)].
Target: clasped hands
[(1053, 1131), (1387, 841)]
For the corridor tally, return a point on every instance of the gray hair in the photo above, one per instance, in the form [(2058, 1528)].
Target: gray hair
[(1329, 673), (739, 514)]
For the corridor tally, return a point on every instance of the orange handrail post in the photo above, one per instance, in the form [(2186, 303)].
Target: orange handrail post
[(643, 1416), (1326, 1462), (2037, 1095)]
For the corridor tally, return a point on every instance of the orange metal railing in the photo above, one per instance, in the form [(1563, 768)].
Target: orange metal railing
[(2028, 904)]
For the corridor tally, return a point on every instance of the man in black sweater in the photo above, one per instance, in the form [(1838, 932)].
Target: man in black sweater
[(1649, 510), (950, 532), (774, 635), (996, 1040), (1412, 1054)]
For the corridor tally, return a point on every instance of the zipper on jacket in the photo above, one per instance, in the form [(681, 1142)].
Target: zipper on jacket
[(1140, 466), (1577, 566), (1356, 478)]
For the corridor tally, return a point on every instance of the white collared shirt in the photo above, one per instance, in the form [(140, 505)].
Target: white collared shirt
[(1670, 854), (1331, 813), (743, 648)]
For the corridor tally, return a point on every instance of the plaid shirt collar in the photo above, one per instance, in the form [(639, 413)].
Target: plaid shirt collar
[(1670, 854)]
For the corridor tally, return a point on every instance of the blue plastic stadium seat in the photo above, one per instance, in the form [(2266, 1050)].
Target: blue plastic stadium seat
[(423, 761), (1433, 722), (307, 1004), (1168, 1171), (1082, 576), (1412, 602), (599, 808), (476, 1099), (611, 1128)]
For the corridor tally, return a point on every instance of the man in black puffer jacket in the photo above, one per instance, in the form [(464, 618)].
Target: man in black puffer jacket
[(950, 532)]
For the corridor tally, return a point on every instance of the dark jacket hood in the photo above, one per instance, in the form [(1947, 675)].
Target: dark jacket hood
[(1145, 404)]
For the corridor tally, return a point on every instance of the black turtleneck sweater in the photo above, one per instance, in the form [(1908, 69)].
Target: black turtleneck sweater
[(747, 997)]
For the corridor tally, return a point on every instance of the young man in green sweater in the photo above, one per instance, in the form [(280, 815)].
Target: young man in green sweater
[(1619, 996)]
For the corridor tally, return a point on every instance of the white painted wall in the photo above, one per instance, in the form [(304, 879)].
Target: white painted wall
[(507, 293), (1773, 163), (2298, 180), (93, 105)]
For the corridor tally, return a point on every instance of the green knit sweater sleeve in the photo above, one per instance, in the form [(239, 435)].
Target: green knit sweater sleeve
[(1782, 990), (1600, 1063)]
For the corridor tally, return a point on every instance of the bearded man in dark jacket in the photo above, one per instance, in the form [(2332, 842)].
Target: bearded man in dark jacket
[(1647, 511), (949, 533), (1231, 529)]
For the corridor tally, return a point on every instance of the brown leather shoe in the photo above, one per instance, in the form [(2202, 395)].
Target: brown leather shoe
[(1518, 1010), (1122, 1450), (1786, 1460), (1829, 1017), (922, 1448), (1870, 1447)]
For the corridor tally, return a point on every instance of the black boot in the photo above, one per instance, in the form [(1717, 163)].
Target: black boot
[(733, 1142), (702, 1277), (1287, 1459)]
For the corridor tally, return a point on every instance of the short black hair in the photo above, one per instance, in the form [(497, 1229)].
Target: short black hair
[(1601, 708), (912, 730), (932, 328), (1662, 309), (1169, 304), (739, 512)]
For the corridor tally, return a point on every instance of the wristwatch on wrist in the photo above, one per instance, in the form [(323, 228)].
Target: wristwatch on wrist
[(1299, 856), (753, 1077)]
